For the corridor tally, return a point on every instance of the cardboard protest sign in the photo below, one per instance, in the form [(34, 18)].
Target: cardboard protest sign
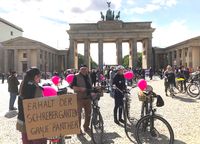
[(48, 117)]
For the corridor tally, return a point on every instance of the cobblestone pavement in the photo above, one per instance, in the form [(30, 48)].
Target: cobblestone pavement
[(182, 112)]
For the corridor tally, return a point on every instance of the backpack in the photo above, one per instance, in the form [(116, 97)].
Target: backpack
[(160, 101)]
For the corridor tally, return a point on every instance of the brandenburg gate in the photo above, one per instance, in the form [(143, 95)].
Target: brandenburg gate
[(111, 29)]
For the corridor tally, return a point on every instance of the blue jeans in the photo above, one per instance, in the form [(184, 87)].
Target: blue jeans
[(12, 100)]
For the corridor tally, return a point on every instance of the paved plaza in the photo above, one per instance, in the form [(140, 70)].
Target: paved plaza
[(182, 112)]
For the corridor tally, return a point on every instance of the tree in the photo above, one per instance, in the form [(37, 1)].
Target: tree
[(125, 61), (81, 61)]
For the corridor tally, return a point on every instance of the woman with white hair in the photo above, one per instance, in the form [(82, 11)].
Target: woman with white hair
[(169, 78)]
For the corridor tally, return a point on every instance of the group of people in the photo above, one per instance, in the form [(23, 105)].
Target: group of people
[(170, 75), (82, 85)]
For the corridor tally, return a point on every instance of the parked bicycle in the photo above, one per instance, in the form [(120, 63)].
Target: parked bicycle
[(193, 88), (97, 124), (152, 128)]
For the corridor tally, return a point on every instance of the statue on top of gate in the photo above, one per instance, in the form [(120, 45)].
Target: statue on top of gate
[(110, 15)]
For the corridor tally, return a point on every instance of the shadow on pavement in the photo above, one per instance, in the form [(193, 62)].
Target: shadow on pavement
[(84, 140), (11, 114), (109, 137), (178, 142), (185, 99)]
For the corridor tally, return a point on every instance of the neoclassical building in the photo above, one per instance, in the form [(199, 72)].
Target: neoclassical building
[(21, 53), (186, 53)]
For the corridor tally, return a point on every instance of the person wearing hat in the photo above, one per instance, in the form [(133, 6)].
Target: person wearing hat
[(13, 89), (82, 85), (119, 82)]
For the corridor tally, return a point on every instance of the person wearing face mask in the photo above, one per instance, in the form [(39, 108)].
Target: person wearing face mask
[(119, 82), (29, 89), (82, 85)]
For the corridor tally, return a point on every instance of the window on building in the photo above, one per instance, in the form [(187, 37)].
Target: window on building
[(186, 52), (41, 53), (180, 53), (175, 54), (24, 55), (11, 33), (24, 67)]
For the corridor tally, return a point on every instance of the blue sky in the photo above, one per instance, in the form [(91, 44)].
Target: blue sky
[(48, 20)]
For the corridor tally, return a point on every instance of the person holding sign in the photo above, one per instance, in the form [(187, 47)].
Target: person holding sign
[(82, 86), (29, 89)]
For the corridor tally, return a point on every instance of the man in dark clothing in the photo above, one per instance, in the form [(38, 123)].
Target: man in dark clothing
[(93, 76), (82, 86), (13, 89), (119, 82)]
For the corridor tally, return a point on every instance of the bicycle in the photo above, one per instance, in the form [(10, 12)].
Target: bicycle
[(152, 128), (97, 124), (128, 120), (193, 88)]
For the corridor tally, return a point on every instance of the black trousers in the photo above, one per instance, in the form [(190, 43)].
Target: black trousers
[(118, 105)]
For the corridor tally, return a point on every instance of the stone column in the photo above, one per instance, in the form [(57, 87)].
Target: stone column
[(119, 51), (29, 58), (183, 56), (149, 53), (87, 53), (177, 58), (5, 60), (38, 58), (100, 47), (16, 60), (71, 54), (53, 62), (133, 53), (168, 58), (190, 57), (50, 62), (65, 63)]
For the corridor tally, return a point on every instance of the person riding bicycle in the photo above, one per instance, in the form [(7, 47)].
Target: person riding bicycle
[(119, 82), (169, 80)]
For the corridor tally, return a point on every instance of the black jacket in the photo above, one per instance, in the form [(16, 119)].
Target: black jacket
[(13, 84)]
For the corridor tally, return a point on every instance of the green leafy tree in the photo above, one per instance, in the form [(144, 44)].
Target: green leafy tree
[(81, 61), (125, 61), (139, 60)]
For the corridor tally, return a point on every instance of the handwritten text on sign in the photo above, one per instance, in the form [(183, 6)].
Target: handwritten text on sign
[(47, 117)]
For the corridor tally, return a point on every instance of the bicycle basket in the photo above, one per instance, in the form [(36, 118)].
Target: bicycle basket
[(142, 96)]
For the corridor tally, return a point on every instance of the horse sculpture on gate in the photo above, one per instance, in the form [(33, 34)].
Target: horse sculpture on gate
[(117, 16)]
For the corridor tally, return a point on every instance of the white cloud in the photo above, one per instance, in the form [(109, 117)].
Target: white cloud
[(167, 3), (147, 8), (153, 6), (175, 32)]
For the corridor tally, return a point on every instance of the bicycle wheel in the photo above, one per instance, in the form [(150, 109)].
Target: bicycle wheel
[(97, 128), (129, 127), (193, 90), (154, 130)]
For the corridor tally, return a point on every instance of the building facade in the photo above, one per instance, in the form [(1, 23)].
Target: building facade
[(9, 30), (21, 53), (186, 53)]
